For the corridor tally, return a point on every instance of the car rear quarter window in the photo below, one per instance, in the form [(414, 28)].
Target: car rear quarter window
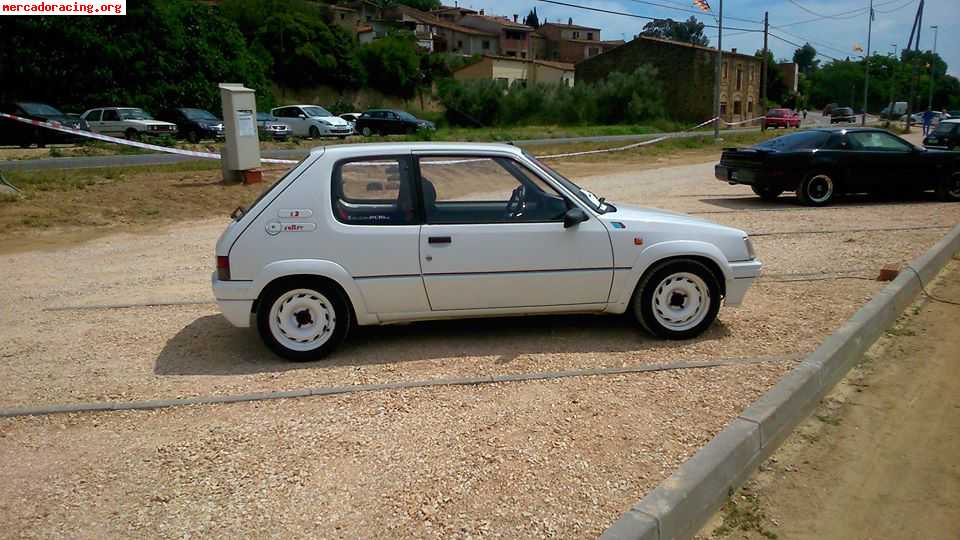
[(804, 140), (374, 191)]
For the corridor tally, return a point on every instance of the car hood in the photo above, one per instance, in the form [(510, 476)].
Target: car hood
[(639, 214), (334, 120)]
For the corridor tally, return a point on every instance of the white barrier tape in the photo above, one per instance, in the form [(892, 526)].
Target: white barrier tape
[(744, 121), (622, 148), (57, 126)]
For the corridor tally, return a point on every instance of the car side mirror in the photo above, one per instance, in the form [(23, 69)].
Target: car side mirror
[(574, 216), (303, 116)]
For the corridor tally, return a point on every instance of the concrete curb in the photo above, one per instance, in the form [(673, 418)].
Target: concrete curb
[(682, 503)]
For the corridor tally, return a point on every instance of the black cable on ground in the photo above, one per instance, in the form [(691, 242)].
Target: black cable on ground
[(929, 295)]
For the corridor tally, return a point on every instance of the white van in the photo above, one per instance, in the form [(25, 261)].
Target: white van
[(894, 110), (387, 233)]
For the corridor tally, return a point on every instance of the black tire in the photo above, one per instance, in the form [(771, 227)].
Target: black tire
[(314, 132), (342, 137), (818, 188), (132, 135), (948, 189), (656, 282), (305, 290), (366, 131), (193, 137), (766, 193)]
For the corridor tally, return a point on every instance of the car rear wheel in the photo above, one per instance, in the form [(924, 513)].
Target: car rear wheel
[(949, 188), (817, 189), (767, 193), (303, 321), (314, 132), (677, 299)]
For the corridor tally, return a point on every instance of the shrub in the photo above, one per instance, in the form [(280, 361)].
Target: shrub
[(620, 98)]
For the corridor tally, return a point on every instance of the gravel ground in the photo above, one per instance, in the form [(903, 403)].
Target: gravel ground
[(549, 459)]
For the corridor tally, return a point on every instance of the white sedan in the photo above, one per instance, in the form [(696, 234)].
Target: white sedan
[(312, 121), (388, 233)]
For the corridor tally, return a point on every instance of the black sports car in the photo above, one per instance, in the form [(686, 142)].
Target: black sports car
[(388, 122), (819, 164), (23, 135)]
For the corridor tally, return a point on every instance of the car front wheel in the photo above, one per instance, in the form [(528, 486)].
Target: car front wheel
[(314, 132), (367, 131), (132, 135), (767, 193), (303, 321), (949, 188), (677, 299), (817, 189)]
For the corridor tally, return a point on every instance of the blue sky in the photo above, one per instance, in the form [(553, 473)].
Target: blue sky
[(832, 36)]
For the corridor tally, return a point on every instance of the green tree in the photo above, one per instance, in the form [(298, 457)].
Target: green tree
[(392, 64), (689, 31), (806, 59), (777, 91), (532, 19)]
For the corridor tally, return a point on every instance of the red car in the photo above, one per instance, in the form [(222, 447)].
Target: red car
[(786, 118)]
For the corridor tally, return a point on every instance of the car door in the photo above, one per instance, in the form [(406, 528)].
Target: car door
[(291, 117), (883, 161), (92, 120), (111, 123), (494, 238)]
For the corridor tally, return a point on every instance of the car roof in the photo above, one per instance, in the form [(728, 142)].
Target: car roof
[(951, 121), (367, 149), (846, 129)]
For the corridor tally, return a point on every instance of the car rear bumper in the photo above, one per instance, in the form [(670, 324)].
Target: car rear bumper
[(736, 175), (743, 274), (234, 299)]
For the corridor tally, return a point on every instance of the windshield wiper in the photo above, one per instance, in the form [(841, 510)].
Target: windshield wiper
[(238, 213)]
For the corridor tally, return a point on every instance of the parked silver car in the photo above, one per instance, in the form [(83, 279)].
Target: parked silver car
[(270, 127)]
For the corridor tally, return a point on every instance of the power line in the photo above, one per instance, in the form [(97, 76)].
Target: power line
[(910, 2), (695, 12), (821, 44), (634, 15), (799, 5), (799, 46), (841, 15)]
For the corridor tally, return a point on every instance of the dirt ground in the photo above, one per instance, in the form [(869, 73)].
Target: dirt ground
[(537, 459), (880, 457)]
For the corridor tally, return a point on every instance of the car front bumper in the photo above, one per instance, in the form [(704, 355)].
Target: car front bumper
[(743, 274), (234, 299)]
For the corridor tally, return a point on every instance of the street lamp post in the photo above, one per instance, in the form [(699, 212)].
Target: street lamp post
[(717, 73), (866, 63), (933, 66)]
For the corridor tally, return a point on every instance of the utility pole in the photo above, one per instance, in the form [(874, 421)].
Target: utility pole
[(933, 66), (717, 73), (893, 83), (763, 78), (866, 63), (917, 27)]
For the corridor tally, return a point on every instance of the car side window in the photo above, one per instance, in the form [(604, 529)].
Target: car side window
[(111, 115), (374, 191), (93, 116), (474, 189), (876, 141)]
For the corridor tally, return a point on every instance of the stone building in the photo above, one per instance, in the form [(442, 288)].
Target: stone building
[(686, 72)]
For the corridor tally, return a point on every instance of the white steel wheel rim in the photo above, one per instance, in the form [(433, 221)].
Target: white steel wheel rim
[(820, 188), (681, 301), (302, 319)]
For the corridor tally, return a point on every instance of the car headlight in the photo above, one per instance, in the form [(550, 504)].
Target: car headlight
[(750, 252)]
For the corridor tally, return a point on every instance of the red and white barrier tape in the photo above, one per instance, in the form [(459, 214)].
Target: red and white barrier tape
[(622, 148), (744, 121), (57, 126)]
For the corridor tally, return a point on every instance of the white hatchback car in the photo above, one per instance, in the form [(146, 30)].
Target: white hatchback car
[(129, 122), (387, 233), (313, 121)]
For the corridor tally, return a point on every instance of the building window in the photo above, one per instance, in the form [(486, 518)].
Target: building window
[(459, 44), (512, 53), (739, 78), (723, 107), (737, 107), (486, 44), (503, 81), (523, 55), (343, 17), (750, 106), (590, 36), (725, 71), (576, 35)]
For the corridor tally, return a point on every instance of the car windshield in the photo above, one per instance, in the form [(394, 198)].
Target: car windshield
[(944, 128), (38, 109), (134, 114), (591, 200), (804, 140), (407, 116), (198, 114), (316, 111), (775, 112)]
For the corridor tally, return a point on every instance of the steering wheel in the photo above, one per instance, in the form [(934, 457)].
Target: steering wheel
[(517, 202)]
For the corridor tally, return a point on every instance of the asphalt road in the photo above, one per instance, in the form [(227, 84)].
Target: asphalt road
[(165, 159)]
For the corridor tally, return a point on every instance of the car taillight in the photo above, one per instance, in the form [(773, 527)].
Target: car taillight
[(223, 268)]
